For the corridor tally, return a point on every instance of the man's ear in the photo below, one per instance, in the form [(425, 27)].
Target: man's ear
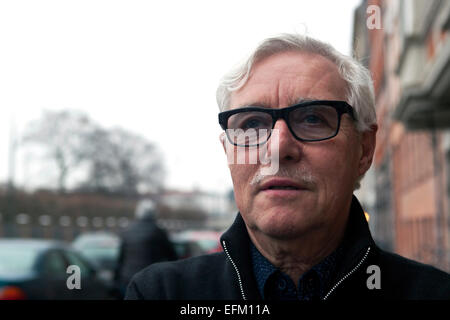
[(368, 143)]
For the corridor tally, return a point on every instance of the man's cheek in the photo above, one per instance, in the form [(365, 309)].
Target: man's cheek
[(242, 172), (241, 176), (237, 177)]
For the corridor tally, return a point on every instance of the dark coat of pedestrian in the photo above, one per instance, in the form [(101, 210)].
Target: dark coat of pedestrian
[(142, 244)]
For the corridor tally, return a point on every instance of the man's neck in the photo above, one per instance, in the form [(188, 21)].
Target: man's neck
[(296, 256)]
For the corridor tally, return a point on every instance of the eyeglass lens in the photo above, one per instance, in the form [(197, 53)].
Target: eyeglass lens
[(315, 122)]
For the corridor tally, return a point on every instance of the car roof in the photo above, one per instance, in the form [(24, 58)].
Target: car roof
[(96, 235), (36, 244), (196, 234)]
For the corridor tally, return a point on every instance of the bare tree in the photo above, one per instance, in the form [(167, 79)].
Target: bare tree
[(62, 134), (123, 162), (113, 160)]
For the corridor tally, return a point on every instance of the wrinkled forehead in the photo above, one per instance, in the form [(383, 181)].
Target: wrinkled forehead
[(287, 78)]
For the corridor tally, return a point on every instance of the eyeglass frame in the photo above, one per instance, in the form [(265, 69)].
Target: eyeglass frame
[(341, 107)]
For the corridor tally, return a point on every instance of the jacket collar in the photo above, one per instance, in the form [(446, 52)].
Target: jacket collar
[(357, 239), (236, 243)]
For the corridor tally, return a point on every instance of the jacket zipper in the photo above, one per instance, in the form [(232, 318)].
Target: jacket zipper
[(324, 298), (235, 268), (347, 275)]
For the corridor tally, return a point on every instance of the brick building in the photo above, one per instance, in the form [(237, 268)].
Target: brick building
[(409, 183)]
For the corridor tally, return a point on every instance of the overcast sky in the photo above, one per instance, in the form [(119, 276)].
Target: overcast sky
[(151, 67)]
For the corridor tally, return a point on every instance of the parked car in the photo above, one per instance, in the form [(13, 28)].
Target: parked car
[(37, 269), (101, 249), (192, 243)]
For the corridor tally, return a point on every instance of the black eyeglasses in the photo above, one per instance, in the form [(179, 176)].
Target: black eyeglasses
[(307, 121)]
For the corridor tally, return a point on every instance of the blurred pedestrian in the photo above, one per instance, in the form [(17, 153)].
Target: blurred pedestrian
[(142, 244)]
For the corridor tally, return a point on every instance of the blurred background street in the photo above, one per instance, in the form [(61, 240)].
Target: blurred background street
[(79, 151), (407, 190)]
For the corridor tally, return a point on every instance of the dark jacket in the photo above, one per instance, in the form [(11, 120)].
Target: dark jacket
[(228, 275), (142, 244)]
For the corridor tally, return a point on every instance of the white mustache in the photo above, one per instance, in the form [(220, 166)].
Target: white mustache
[(298, 174)]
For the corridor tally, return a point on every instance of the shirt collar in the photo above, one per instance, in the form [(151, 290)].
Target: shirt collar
[(264, 270)]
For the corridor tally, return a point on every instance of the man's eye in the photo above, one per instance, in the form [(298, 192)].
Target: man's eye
[(312, 119), (253, 123)]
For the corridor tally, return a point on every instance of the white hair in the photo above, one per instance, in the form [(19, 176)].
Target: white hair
[(360, 92)]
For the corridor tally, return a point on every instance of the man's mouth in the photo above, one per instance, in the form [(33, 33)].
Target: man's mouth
[(282, 188), (281, 185)]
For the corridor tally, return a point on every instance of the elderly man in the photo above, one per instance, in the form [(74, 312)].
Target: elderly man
[(300, 234)]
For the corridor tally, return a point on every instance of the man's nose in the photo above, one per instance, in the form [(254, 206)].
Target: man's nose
[(289, 147)]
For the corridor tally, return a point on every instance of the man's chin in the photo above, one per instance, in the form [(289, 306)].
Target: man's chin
[(285, 233), (284, 224), (285, 213)]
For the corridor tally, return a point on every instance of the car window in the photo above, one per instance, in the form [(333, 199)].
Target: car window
[(54, 263), (74, 259), (195, 249), (98, 253), (13, 260), (208, 244)]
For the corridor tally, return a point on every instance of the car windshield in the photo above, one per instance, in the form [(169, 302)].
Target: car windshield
[(14, 260), (101, 252), (208, 244)]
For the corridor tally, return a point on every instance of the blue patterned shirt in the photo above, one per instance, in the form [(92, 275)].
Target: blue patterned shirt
[(273, 284)]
